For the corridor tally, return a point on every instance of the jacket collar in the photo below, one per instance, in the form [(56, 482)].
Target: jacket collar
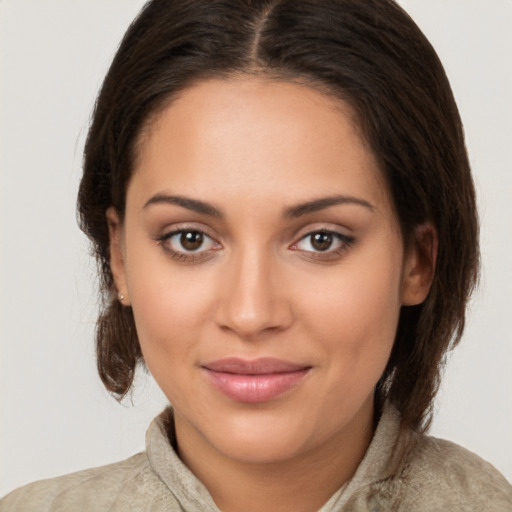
[(371, 488)]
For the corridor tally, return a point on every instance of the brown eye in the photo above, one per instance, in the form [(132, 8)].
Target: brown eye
[(191, 240), (321, 241)]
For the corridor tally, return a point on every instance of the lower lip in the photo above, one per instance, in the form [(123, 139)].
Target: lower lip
[(255, 388)]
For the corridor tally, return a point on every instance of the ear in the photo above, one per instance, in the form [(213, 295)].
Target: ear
[(117, 258), (419, 265)]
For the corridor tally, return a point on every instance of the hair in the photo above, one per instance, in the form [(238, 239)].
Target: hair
[(369, 54)]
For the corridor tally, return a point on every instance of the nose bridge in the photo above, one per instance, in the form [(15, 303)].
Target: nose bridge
[(252, 301)]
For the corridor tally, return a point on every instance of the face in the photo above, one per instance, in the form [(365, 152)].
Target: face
[(262, 259)]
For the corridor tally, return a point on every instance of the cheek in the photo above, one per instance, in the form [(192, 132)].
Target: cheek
[(354, 311), (169, 313), (170, 305)]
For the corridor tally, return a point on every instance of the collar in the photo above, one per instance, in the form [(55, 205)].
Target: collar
[(373, 470)]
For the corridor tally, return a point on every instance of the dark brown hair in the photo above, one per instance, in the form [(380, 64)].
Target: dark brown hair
[(368, 53)]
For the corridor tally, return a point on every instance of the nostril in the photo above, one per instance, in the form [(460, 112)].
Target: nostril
[(253, 322)]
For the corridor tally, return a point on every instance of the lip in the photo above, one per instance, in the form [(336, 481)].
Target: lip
[(254, 381)]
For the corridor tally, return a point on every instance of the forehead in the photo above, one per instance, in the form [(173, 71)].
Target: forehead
[(259, 137)]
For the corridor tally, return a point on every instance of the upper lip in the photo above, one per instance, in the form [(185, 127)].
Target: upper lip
[(262, 366)]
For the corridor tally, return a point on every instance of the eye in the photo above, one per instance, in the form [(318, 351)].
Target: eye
[(323, 241), (187, 243)]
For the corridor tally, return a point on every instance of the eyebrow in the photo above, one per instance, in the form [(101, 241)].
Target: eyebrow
[(290, 212), (322, 203), (185, 202)]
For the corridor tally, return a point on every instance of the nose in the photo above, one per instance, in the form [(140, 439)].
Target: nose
[(254, 296)]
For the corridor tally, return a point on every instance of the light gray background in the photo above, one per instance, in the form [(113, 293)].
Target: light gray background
[(55, 416)]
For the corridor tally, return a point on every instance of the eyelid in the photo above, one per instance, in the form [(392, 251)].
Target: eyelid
[(344, 238), (179, 227), (336, 229), (187, 256), (345, 241)]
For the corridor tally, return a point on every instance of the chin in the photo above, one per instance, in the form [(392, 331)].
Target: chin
[(263, 436), (261, 446)]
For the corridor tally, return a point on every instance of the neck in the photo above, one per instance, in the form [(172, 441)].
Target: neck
[(303, 483)]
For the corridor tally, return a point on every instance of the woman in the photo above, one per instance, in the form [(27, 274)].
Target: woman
[(281, 204)]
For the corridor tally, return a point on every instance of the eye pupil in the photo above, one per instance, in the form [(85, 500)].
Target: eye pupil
[(321, 241), (191, 240)]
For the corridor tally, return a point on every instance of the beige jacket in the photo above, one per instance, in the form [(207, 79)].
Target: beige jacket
[(437, 476)]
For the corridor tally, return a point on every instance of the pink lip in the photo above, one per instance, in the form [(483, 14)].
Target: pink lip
[(254, 381)]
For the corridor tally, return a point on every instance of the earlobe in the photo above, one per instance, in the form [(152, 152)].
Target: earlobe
[(419, 265), (117, 264)]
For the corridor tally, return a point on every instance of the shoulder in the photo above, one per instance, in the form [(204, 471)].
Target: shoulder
[(114, 487), (407, 471), (441, 475)]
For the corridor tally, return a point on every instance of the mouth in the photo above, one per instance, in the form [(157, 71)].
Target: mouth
[(254, 381)]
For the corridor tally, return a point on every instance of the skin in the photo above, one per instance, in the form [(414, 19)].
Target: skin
[(254, 149)]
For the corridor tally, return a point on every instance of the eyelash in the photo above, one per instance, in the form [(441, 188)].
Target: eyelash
[(345, 242), (190, 256)]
